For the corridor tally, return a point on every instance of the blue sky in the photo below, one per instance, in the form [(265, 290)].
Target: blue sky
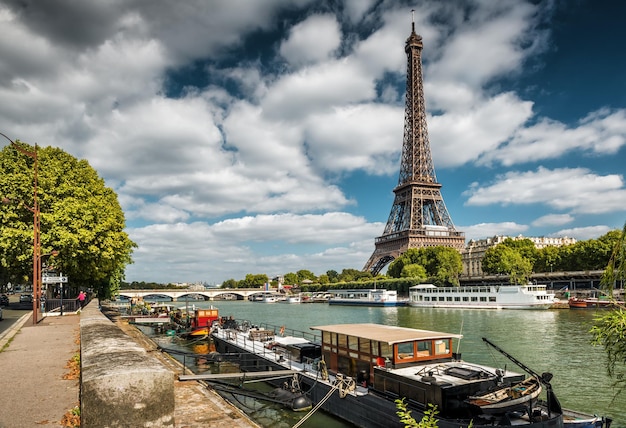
[(264, 137)]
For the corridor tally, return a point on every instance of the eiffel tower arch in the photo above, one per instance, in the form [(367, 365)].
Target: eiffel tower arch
[(419, 217)]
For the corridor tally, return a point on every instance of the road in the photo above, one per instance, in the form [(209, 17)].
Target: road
[(13, 312)]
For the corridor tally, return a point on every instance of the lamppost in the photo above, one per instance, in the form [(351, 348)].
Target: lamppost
[(36, 235)]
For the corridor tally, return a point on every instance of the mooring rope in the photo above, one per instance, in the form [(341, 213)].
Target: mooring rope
[(317, 406)]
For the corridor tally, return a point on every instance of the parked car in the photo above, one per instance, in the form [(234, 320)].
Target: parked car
[(26, 298), (4, 300)]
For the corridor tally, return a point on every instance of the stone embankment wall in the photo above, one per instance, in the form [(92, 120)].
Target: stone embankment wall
[(121, 384)]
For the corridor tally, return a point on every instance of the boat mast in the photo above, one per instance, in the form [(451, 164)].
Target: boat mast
[(543, 377)]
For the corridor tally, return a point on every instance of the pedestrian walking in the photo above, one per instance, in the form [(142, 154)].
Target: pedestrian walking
[(81, 299)]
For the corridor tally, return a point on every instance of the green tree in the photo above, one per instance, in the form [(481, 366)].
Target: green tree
[(414, 270), (506, 259), (291, 278), (229, 283), (525, 247), (333, 275), (80, 218), (548, 259), (518, 267), (253, 280), (306, 274), (609, 329), (323, 279), (592, 254), (410, 256), (443, 265), (348, 275)]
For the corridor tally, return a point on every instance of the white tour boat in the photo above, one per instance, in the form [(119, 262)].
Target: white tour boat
[(364, 297), (528, 296)]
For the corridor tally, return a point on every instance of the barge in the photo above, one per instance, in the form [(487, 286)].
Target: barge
[(358, 371)]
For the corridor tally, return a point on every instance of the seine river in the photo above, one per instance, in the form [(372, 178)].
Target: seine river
[(557, 341)]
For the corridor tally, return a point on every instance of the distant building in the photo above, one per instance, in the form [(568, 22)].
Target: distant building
[(474, 251)]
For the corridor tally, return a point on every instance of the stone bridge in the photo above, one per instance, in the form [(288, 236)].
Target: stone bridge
[(212, 294)]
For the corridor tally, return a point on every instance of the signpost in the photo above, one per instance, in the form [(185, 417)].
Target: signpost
[(56, 280)]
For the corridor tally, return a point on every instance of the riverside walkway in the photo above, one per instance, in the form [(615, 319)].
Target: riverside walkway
[(33, 363)]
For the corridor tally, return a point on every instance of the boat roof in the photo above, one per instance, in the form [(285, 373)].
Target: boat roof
[(385, 333)]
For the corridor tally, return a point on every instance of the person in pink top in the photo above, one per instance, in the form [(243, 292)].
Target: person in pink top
[(81, 299)]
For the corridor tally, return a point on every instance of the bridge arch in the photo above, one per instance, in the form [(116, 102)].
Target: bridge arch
[(179, 295)]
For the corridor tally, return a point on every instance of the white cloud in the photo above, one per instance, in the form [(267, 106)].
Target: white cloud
[(487, 230), (574, 189), (468, 135), (601, 132), (312, 40), (365, 136), (584, 233), (197, 246), (553, 220), (316, 89), (491, 41)]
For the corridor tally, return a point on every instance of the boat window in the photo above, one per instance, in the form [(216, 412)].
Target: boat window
[(353, 343), (386, 350), (330, 338), (442, 347), (457, 298), (405, 350), (423, 348), (342, 341), (492, 298), (483, 298), (448, 298), (465, 299), (474, 299), (364, 346)]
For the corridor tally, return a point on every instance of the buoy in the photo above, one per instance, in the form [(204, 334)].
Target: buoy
[(301, 404)]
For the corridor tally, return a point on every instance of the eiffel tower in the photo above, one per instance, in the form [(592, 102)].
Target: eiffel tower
[(418, 217)]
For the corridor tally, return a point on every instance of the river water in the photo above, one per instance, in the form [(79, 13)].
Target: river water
[(556, 340)]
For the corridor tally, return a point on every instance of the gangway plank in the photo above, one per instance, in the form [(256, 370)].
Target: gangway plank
[(213, 376)]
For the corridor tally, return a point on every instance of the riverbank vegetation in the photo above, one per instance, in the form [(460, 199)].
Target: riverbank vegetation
[(518, 258), (609, 330)]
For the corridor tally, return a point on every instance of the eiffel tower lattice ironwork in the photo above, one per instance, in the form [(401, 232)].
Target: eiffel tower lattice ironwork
[(418, 217)]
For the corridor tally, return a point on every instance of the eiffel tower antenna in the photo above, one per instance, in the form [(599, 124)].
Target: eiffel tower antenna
[(418, 217)]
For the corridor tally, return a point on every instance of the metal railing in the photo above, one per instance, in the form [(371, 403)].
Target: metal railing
[(69, 305)]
